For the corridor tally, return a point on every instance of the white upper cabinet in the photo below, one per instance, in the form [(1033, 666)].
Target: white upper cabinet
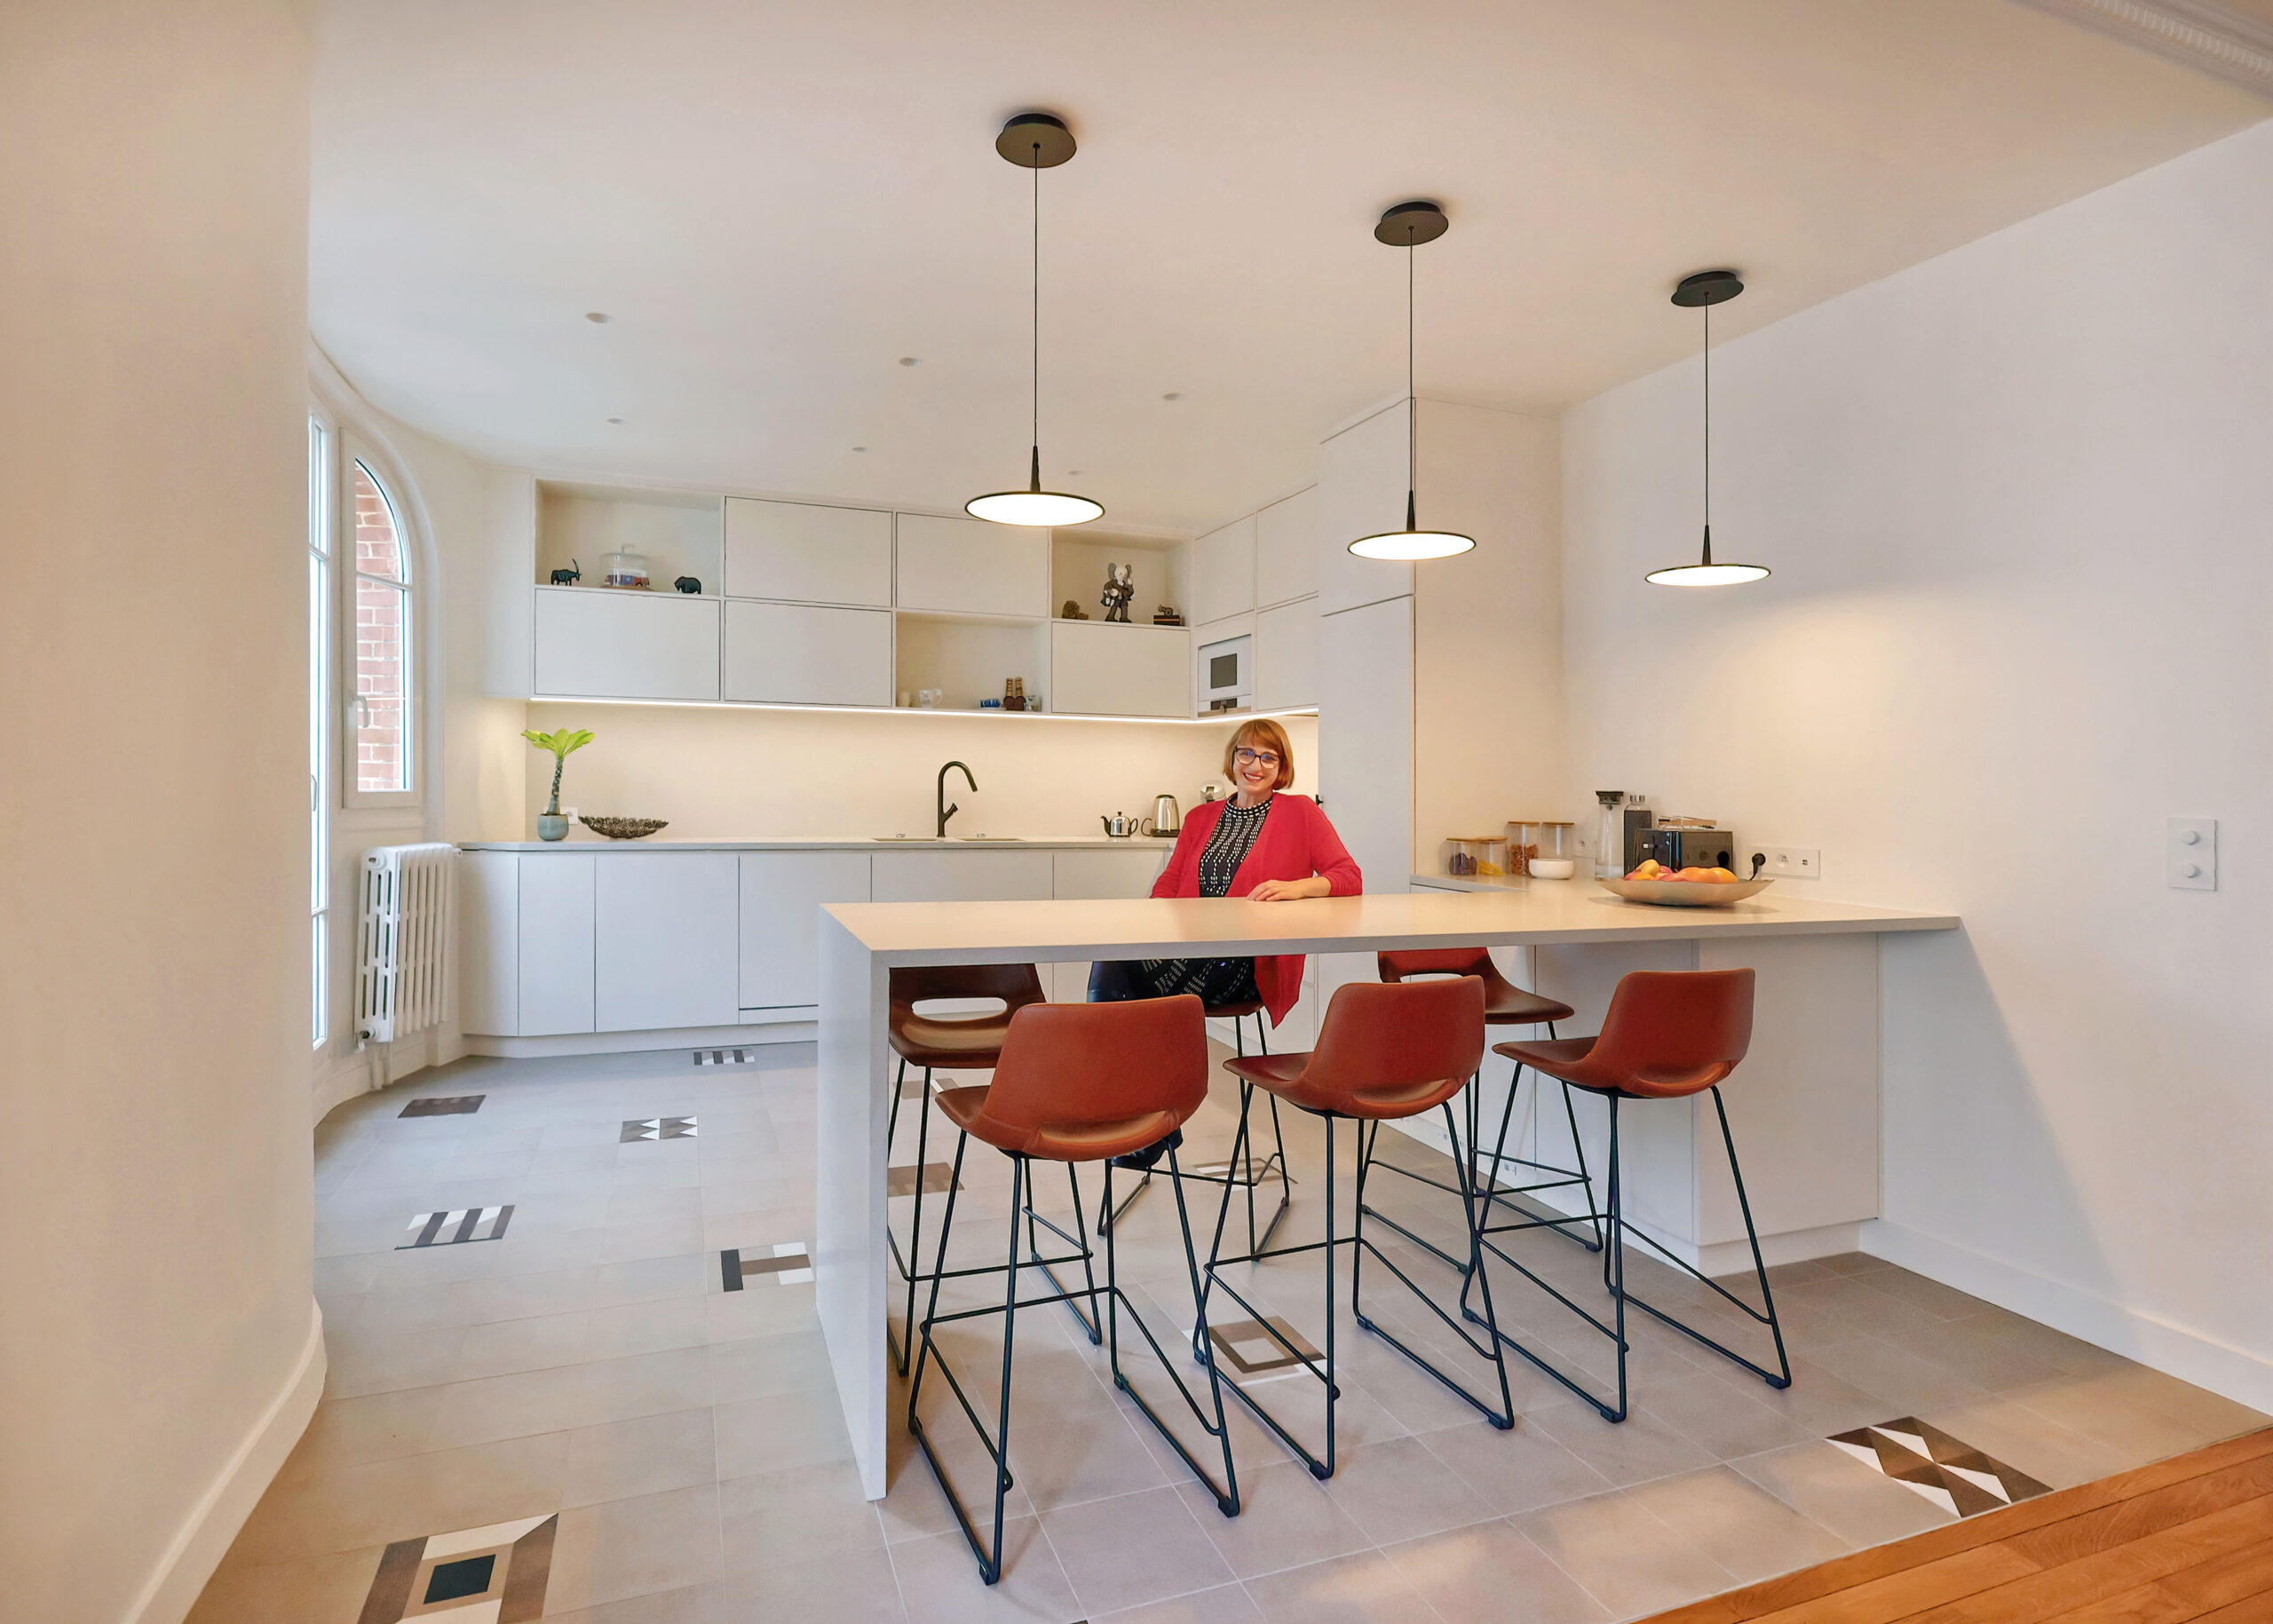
[(1285, 549), (969, 566), (1361, 492), (598, 644), (1222, 572), (1098, 669), (1286, 656), (807, 654), (806, 553)]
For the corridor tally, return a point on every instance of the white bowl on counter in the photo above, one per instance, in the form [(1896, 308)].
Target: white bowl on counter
[(1553, 867)]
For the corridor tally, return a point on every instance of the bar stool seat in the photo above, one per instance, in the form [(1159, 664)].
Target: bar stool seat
[(1054, 1141), (1285, 1076), (1505, 1004)]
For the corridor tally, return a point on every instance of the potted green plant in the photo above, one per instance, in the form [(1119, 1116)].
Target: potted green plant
[(550, 824)]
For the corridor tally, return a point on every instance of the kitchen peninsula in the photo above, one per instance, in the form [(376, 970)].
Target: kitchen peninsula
[(1805, 1104)]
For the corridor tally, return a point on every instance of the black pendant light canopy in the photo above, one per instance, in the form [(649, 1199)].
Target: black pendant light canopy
[(1701, 292), (1036, 141), (1408, 225)]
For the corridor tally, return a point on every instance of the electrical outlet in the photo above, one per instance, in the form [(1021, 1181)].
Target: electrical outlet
[(568, 813), (1784, 863), (2191, 853)]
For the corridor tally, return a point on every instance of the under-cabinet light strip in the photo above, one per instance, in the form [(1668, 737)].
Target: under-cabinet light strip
[(917, 710)]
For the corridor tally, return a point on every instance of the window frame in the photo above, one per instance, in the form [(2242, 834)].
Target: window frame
[(323, 541), (353, 451)]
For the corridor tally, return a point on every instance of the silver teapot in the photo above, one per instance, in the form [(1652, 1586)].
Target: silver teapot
[(1120, 828)]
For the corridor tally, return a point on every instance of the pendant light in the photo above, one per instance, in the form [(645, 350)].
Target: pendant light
[(1035, 141), (1701, 293), (1406, 226)]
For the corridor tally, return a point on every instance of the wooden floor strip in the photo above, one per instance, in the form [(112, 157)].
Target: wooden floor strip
[(1940, 1573), (2110, 1572)]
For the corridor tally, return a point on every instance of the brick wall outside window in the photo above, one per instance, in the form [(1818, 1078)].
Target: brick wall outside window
[(382, 613)]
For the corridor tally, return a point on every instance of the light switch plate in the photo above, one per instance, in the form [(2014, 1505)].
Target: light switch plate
[(2191, 852)]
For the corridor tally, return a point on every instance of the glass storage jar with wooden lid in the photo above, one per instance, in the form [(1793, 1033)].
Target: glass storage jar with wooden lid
[(1472, 857), (1533, 838)]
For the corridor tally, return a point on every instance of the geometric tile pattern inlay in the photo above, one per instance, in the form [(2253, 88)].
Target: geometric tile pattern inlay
[(444, 1229), (461, 1105), (1254, 1354), (491, 1575), (1935, 1467), (658, 1128), (938, 1177), (725, 1057), (786, 1263)]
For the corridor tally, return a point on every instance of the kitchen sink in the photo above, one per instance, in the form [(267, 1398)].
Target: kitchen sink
[(912, 840)]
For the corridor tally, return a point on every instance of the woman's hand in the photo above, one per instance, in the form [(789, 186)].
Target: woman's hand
[(1291, 890)]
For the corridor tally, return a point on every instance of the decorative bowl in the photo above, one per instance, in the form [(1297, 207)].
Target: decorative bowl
[(623, 828), (1684, 893), (1553, 867)]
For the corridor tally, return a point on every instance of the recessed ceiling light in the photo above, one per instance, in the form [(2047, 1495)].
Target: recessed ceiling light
[(910, 361), (1172, 395), (860, 447), (616, 420), (1073, 472), (598, 318)]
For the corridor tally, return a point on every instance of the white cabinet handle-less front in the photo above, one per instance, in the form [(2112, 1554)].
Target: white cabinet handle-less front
[(664, 939)]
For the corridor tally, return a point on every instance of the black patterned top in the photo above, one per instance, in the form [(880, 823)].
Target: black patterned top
[(1217, 982)]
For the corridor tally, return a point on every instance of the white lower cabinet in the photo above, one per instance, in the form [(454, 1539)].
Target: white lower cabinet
[(782, 894), (962, 873), (597, 643), (554, 930), (1099, 668), (1105, 874), (805, 654), (665, 939)]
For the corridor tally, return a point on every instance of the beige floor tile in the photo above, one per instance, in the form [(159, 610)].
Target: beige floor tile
[(777, 1519), (1093, 1454), (375, 1361), (771, 1367), (1631, 1451), (1738, 1523), (1490, 1573), (1225, 1605), (2008, 1432), (857, 1587), (1842, 1494), (693, 1605), (2105, 1408), (1287, 1519), (2065, 1353), (1623, 1555), (324, 1589), (646, 1327), (938, 1578), (1365, 1588), (626, 1547), (1398, 1490), (1517, 1470), (768, 1435), (1989, 1364), (1726, 1420), (624, 1459), (1942, 1302), (381, 1502), (915, 1507), (376, 1427), (1135, 1548), (1906, 1382), (578, 1395)]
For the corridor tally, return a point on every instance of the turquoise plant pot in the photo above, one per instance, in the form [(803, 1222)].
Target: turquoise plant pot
[(551, 826)]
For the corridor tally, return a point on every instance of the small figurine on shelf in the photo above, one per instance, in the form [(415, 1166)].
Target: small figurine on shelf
[(1167, 615), (1073, 612), (688, 584), (1120, 587), (569, 577), (1014, 693)]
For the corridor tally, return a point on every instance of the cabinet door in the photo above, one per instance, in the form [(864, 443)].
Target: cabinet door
[(1100, 874), (1285, 549), (595, 644), (489, 943), (782, 893), (960, 873), (969, 566), (555, 934), (808, 554), (1097, 669), (664, 940), (804, 655), (1361, 492), (1286, 656), (1365, 760), (1222, 572)]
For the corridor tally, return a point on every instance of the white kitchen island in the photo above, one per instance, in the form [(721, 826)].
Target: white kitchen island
[(1804, 1105)]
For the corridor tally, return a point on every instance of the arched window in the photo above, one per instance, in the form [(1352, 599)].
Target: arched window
[(383, 747), (320, 530)]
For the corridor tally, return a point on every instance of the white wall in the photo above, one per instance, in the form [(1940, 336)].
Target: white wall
[(158, 1339), (2019, 501), (719, 774)]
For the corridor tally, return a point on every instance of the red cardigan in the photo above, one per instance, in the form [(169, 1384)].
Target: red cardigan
[(1296, 843)]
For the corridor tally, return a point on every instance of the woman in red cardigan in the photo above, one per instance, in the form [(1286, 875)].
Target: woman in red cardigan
[(1259, 844)]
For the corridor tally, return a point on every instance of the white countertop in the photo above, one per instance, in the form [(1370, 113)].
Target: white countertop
[(1051, 932), (583, 841)]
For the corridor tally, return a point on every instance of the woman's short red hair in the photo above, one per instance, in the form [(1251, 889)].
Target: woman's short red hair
[(1263, 733)]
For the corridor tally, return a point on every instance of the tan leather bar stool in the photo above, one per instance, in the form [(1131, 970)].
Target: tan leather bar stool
[(1505, 1004), (948, 1043), (1076, 1082), (1236, 1174), (1385, 1051), (1668, 1034)]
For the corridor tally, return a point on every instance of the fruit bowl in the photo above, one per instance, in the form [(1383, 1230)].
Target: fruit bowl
[(1684, 893), (623, 828)]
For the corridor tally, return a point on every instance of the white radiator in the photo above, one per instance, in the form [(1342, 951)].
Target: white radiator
[(402, 957)]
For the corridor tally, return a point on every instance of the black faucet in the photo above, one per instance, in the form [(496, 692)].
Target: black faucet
[(945, 811)]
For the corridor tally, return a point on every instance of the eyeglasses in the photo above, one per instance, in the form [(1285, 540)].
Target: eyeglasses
[(1255, 758)]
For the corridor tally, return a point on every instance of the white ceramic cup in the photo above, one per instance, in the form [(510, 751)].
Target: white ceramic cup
[(1553, 867)]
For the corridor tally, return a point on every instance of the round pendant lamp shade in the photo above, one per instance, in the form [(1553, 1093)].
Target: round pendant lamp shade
[(1408, 225), (1701, 292), (1036, 141)]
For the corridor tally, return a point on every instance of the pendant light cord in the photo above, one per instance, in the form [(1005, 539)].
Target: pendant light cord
[(1708, 310), (1411, 402), (1035, 424)]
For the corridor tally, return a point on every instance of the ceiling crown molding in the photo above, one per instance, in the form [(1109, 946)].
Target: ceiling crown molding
[(2197, 34)]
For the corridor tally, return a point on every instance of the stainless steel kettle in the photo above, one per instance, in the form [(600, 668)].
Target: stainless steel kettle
[(1168, 818)]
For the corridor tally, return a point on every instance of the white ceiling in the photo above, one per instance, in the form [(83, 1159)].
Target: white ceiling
[(774, 202)]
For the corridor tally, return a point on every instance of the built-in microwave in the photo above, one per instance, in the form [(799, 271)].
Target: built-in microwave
[(1227, 674)]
